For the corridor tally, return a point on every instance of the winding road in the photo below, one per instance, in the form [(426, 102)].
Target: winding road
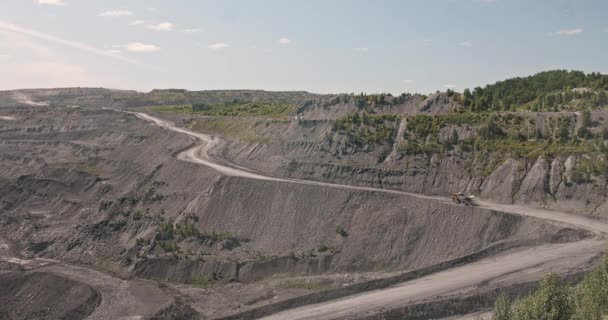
[(507, 267)]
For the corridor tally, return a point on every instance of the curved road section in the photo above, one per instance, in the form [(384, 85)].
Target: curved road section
[(529, 263)]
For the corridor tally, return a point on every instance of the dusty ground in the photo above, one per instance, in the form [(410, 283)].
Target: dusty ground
[(59, 168), (530, 262)]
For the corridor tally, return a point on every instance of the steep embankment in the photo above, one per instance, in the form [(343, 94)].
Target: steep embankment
[(42, 295), (344, 230)]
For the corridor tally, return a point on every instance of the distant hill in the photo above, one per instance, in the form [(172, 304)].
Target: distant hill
[(554, 90), (546, 91), (101, 97)]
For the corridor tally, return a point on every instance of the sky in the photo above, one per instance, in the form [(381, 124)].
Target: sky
[(322, 46)]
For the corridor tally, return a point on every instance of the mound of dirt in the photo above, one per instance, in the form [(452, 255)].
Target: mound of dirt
[(41, 295)]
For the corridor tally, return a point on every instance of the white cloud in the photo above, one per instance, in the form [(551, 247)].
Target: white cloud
[(114, 51), (284, 41), (466, 44), (115, 13), (362, 49), (569, 32), (192, 30), (5, 56), (407, 81), (11, 28), (52, 2), (136, 22), (218, 46), (140, 47), (450, 86), (163, 26)]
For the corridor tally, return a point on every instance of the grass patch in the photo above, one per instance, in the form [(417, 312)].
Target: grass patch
[(203, 280), (232, 109), (240, 129)]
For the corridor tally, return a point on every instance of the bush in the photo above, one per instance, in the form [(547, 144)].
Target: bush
[(169, 246), (340, 230), (165, 231), (142, 242), (325, 248), (204, 280), (186, 230)]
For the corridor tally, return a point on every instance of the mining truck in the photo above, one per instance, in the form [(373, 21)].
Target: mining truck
[(461, 198)]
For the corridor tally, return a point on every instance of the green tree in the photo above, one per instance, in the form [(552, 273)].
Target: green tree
[(552, 300), (453, 138), (502, 308), (586, 119), (583, 130), (467, 98), (491, 131), (592, 295)]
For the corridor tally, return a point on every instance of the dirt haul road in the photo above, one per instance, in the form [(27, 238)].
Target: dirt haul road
[(510, 266)]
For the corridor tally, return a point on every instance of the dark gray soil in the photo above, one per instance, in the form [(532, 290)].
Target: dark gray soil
[(40, 295)]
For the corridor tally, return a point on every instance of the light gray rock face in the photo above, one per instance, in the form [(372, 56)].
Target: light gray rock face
[(556, 175), (535, 184), (500, 184)]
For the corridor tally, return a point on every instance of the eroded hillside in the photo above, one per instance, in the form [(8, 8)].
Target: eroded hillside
[(290, 198), (105, 189)]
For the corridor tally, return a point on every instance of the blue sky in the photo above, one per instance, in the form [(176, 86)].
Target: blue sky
[(319, 46)]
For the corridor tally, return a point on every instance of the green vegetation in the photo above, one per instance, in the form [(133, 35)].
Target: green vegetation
[(169, 246), (142, 242), (490, 138), (235, 108), (241, 129), (325, 248), (204, 280), (554, 300), (588, 167), (423, 132), (545, 91), (370, 100), (168, 234), (366, 128), (423, 125), (151, 194), (508, 134)]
